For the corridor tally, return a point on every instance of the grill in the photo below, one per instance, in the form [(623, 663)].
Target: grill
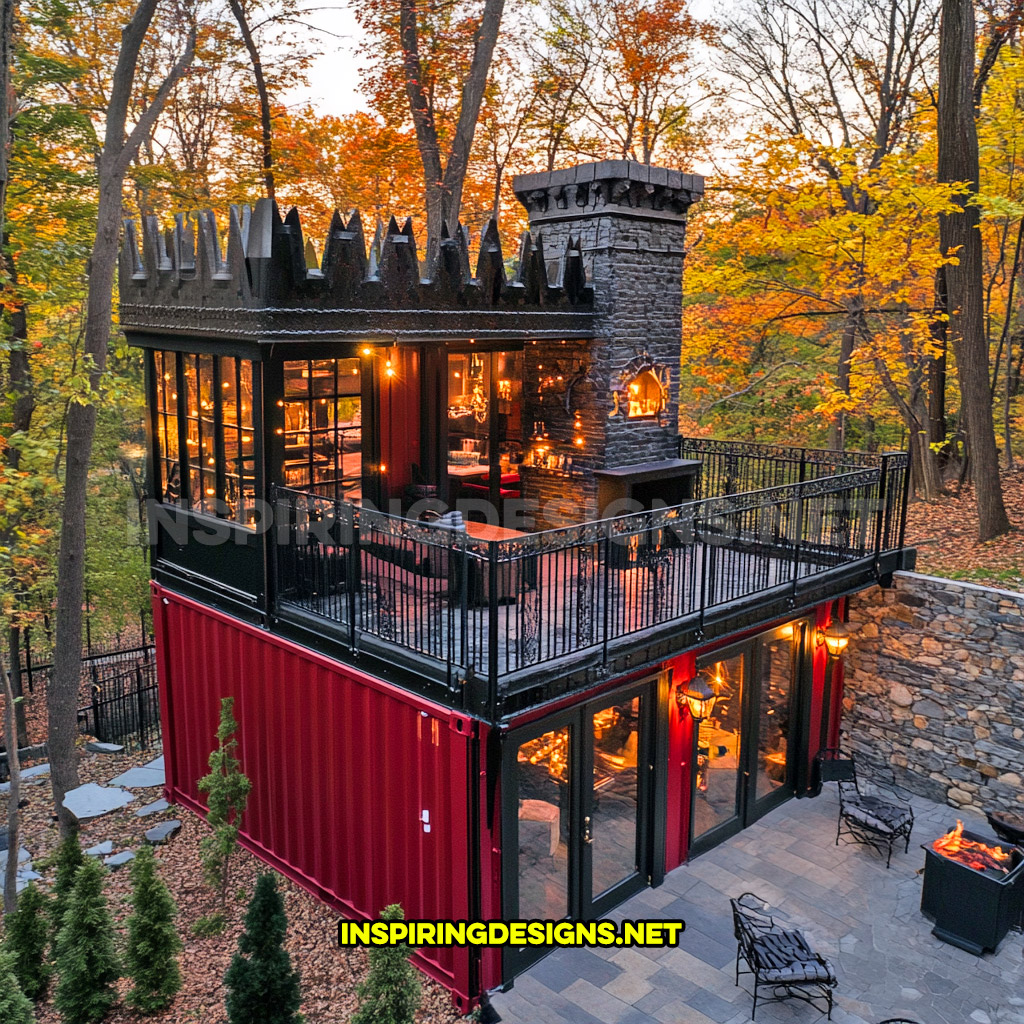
[(973, 908)]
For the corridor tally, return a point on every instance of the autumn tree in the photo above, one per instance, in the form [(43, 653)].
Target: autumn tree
[(958, 163), (562, 52), (781, 264), (120, 145), (847, 78), (439, 57)]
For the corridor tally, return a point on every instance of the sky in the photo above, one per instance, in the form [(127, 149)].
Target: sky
[(334, 77)]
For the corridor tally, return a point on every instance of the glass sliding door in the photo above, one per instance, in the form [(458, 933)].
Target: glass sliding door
[(611, 829), (542, 773), (772, 767), (716, 804), (747, 748)]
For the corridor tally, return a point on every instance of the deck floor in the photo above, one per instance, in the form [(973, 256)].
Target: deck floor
[(549, 606)]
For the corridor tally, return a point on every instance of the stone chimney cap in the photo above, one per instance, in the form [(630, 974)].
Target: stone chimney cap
[(610, 170), (622, 188)]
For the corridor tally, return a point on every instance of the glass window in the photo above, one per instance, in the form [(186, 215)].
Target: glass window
[(543, 776), (165, 369), (323, 427), (214, 416), (469, 387), (239, 474), (718, 746)]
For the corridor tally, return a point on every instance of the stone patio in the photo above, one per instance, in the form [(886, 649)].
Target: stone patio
[(865, 919)]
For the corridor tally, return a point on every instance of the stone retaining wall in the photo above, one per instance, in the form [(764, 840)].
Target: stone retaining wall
[(934, 694)]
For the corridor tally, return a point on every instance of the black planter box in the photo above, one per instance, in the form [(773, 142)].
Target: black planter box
[(972, 909)]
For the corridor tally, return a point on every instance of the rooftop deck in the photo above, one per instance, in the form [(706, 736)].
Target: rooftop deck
[(502, 620)]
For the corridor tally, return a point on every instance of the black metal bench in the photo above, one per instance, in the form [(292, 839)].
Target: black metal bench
[(780, 960), (869, 812)]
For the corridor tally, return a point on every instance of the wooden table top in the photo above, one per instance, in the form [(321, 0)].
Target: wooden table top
[(463, 471), (484, 531)]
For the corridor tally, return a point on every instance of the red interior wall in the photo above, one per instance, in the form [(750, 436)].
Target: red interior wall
[(342, 766), (399, 417)]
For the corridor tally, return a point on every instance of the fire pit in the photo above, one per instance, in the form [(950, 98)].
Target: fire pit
[(973, 890)]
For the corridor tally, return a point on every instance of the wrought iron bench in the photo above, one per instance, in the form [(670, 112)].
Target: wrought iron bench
[(869, 812), (780, 960)]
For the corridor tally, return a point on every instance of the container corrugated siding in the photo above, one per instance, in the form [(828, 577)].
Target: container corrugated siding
[(342, 766)]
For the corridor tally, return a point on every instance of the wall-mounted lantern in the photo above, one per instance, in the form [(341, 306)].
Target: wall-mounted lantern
[(698, 698), (835, 637)]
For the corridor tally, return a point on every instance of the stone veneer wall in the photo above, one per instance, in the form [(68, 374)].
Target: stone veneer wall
[(629, 221), (934, 689)]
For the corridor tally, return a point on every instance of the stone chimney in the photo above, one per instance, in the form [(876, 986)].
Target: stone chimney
[(610, 402)]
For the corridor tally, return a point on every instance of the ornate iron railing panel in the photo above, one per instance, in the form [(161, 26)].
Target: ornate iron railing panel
[(477, 609)]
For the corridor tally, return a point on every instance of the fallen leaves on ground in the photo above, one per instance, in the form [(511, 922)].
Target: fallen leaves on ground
[(945, 533), (329, 974)]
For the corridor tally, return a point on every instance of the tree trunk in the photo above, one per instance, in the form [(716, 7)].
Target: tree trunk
[(925, 477), (115, 158), (847, 341), (959, 233), (13, 797), (266, 126), (444, 188), (937, 365)]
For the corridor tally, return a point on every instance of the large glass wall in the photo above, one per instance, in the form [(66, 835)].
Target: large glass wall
[(484, 412), (323, 427), (203, 424)]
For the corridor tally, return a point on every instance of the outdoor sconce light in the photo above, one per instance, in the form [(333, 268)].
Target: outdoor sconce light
[(835, 638), (698, 697)]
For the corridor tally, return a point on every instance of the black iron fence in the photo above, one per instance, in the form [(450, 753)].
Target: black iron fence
[(131, 645), (496, 609), (124, 706)]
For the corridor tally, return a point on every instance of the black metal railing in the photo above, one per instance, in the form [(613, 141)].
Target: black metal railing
[(468, 608), (124, 706)]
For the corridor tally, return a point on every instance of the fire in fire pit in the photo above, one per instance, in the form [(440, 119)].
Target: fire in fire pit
[(973, 890), (971, 852)]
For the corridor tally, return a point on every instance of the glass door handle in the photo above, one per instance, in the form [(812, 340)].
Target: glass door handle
[(586, 831)]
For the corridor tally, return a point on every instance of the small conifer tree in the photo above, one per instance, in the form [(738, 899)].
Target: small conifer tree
[(28, 934), (68, 859), (15, 1006), (87, 967), (262, 987), (227, 791), (153, 944), (391, 992)]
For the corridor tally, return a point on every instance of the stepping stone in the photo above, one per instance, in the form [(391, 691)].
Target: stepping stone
[(139, 778), (32, 773), (23, 857), (164, 831), (157, 764), (119, 859), (154, 808), (100, 849), (92, 800), (96, 747), (24, 877)]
